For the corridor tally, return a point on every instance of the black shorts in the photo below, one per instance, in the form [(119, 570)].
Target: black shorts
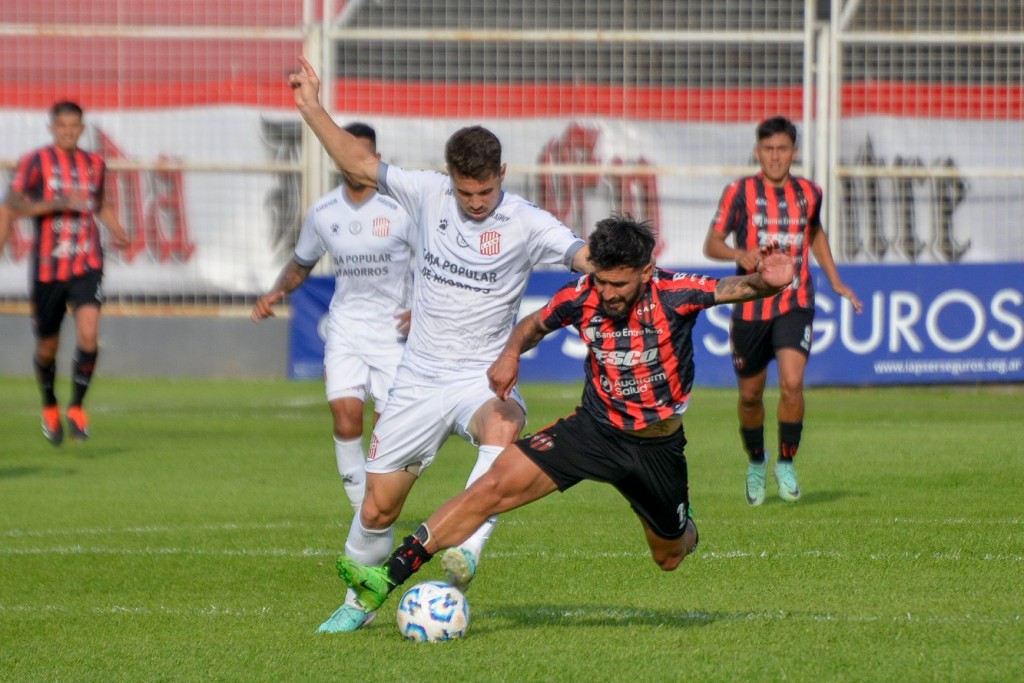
[(649, 473), (50, 300), (754, 342)]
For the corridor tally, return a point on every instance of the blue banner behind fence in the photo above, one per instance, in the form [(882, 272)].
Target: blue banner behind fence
[(925, 324)]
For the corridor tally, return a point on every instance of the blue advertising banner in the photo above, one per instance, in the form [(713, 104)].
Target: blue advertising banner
[(923, 324)]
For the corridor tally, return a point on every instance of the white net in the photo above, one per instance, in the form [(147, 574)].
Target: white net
[(184, 100), (910, 116), (929, 151)]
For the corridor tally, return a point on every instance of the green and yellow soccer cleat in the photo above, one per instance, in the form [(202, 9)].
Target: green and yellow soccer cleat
[(371, 584)]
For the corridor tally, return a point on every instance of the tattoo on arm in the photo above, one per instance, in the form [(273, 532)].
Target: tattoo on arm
[(293, 276), (742, 288)]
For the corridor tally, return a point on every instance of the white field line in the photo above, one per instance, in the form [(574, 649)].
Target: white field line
[(155, 529), (268, 526), (701, 555), (576, 614)]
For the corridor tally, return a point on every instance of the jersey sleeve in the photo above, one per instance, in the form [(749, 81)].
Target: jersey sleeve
[(550, 241), (310, 246), (730, 214), (685, 293), (27, 176), (564, 308), (408, 188), (101, 187), (814, 217)]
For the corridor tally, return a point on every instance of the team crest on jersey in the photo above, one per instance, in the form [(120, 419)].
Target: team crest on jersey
[(490, 243), (371, 452), (542, 442), (381, 226), (355, 227)]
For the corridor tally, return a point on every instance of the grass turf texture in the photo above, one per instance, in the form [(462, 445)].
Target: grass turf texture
[(194, 538)]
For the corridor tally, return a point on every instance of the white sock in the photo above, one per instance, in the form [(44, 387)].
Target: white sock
[(349, 453), (368, 546), (486, 455)]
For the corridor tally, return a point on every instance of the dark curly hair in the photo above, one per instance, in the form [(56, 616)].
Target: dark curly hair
[(621, 241)]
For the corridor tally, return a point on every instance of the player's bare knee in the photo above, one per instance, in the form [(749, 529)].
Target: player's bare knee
[(347, 432), (378, 513), (374, 518)]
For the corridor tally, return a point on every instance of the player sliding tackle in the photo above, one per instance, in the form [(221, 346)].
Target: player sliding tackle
[(475, 249), (636, 321)]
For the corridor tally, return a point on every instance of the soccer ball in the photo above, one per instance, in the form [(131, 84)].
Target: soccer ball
[(432, 612)]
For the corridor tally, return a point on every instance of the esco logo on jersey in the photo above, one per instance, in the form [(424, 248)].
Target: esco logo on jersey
[(625, 358)]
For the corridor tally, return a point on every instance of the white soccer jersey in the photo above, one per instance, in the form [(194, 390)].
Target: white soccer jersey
[(470, 275), (371, 245)]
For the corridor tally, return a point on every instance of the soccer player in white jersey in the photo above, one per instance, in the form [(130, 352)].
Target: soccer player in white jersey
[(477, 248), (370, 239)]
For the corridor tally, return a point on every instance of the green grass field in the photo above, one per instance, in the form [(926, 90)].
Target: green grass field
[(193, 538)]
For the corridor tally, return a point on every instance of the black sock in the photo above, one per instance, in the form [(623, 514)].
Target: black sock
[(408, 557), (83, 365), (45, 376), (753, 442), (789, 439)]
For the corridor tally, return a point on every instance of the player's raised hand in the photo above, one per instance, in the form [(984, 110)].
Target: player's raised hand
[(777, 269), (305, 84)]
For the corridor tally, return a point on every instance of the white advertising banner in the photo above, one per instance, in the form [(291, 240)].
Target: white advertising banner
[(221, 231)]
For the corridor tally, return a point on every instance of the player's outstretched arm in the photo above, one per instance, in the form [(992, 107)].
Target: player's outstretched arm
[(504, 372), (348, 153)]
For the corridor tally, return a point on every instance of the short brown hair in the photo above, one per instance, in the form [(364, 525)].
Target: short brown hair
[(474, 152)]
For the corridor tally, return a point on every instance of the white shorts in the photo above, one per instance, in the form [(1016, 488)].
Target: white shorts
[(352, 371), (421, 414)]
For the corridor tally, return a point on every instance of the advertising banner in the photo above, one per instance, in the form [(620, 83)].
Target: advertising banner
[(934, 324), (201, 227)]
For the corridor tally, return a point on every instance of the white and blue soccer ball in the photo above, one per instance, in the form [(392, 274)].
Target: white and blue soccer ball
[(432, 612)]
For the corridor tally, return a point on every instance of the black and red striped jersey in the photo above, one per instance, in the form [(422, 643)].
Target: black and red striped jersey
[(757, 212), (67, 243), (639, 370)]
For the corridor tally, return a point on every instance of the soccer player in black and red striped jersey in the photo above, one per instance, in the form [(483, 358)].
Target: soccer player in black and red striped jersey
[(62, 188), (773, 206), (636, 321)]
